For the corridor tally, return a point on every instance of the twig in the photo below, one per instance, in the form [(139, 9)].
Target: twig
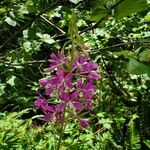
[(53, 24), (23, 63), (120, 44)]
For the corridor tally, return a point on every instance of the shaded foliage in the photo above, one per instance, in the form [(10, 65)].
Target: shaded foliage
[(117, 33)]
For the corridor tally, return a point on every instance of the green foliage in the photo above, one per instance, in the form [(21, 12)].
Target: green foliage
[(128, 7), (22, 134), (133, 135), (145, 56), (136, 67), (31, 29), (147, 142), (98, 13)]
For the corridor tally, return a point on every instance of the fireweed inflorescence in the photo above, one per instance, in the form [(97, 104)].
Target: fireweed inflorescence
[(72, 85)]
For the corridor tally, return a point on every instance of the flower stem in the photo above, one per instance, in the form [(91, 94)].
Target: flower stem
[(62, 129), (60, 137)]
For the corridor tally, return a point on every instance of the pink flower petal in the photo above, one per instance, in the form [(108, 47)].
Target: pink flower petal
[(84, 123), (78, 106)]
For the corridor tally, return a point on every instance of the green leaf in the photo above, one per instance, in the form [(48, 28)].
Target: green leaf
[(45, 38), (145, 56), (98, 13), (136, 67), (27, 46), (2, 86), (11, 80), (128, 7), (107, 126), (124, 53), (133, 141), (10, 21), (48, 39), (147, 143), (75, 1)]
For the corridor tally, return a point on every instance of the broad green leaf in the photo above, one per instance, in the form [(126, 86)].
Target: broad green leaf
[(136, 67), (10, 21), (128, 7), (39, 35), (147, 17), (11, 80), (45, 38), (2, 10), (98, 13), (107, 126), (27, 46), (48, 39), (145, 56)]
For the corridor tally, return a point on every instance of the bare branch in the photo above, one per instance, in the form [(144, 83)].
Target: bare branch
[(120, 44), (23, 63), (63, 32)]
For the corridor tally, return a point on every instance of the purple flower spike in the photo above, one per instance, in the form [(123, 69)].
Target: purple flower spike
[(48, 117), (43, 82), (56, 60), (65, 96), (62, 79), (72, 84), (59, 108), (79, 62), (47, 108), (87, 95), (78, 106), (90, 66), (93, 75), (79, 84), (83, 123), (74, 95), (83, 64), (49, 90), (39, 102)]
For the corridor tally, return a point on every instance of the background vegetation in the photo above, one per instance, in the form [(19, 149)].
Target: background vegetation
[(117, 33)]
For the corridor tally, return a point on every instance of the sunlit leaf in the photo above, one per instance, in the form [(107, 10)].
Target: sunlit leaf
[(145, 56), (11, 80), (2, 86), (11, 22), (128, 7), (75, 1), (139, 68), (98, 13)]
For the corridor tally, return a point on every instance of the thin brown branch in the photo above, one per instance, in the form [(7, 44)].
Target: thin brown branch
[(23, 63), (120, 44), (53, 24)]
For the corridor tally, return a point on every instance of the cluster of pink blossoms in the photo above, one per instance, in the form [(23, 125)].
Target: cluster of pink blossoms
[(72, 84)]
